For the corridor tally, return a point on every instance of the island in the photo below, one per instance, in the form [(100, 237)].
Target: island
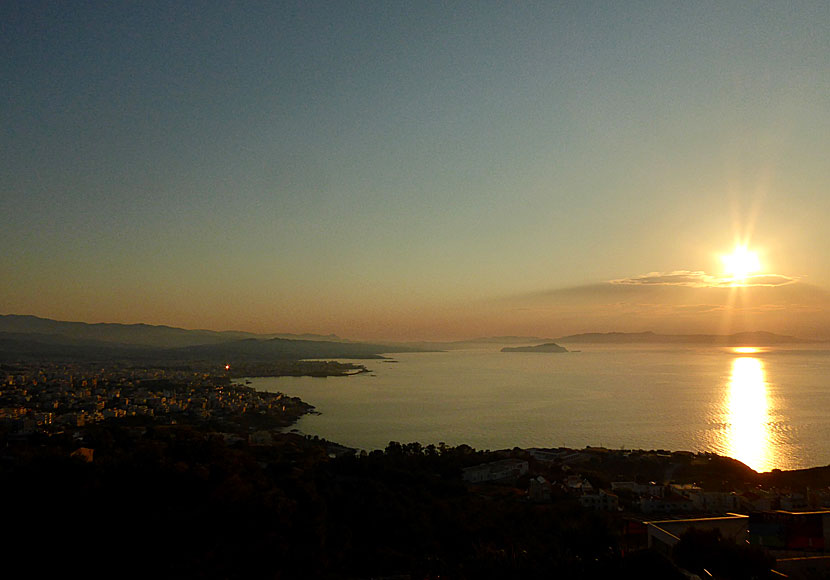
[(186, 454), (547, 347)]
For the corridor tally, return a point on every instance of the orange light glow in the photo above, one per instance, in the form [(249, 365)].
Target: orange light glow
[(749, 431), (227, 367), (746, 350), (741, 263)]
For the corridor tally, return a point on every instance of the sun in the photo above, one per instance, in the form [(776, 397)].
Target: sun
[(741, 263)]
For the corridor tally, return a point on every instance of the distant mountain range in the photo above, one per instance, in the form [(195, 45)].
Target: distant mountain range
[(739, 339), (504, 340), (137, 334), (760, 338), (31, 337), (34, 338), (477, 343)]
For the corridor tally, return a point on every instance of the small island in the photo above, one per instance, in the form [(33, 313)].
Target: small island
[(547, 347)]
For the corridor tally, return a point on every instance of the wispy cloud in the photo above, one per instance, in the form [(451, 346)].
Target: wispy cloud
[(769, 280), (681, 302), (698, 308), (697, 279), (675, 278)]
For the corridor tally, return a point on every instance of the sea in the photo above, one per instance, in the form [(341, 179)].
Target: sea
[(767, 407)]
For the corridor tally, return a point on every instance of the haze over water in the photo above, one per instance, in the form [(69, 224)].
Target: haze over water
[(764, 407)]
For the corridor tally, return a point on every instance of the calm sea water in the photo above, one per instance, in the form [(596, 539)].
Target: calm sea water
[(768, 407)]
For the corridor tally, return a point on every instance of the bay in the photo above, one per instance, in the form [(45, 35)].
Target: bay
[(767, 407)]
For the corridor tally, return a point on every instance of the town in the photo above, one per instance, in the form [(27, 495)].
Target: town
[(47, 398), (196, 422)]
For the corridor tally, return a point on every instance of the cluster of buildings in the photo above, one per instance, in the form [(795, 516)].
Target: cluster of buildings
[(45, 398), (651, 498), (792, 526)]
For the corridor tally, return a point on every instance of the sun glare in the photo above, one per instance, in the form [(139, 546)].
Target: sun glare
[(746, 350), (741, 263)]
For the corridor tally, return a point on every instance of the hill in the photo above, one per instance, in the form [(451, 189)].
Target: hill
[(38, 339), (135, 334), (280, 348)]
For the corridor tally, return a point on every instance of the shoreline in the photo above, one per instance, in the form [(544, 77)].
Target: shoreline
[(295, 368)]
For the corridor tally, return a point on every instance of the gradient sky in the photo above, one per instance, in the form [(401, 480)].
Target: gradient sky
[(416, 170)]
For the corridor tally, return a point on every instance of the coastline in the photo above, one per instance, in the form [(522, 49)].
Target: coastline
[(702, 399), (295, 368)]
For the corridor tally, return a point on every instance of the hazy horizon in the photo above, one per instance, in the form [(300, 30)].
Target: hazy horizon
[(418, 172), (491, 337)]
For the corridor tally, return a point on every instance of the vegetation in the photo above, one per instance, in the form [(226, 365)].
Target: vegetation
[(173, 501)]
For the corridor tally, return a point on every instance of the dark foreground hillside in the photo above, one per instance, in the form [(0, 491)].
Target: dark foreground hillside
[(172, 501)]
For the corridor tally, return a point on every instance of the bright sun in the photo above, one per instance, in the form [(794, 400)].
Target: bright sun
[(741, 262)]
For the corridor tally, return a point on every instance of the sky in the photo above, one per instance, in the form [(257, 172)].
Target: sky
[(416, 170)]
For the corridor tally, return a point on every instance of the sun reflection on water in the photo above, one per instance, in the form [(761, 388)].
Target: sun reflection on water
[(748, 421)]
